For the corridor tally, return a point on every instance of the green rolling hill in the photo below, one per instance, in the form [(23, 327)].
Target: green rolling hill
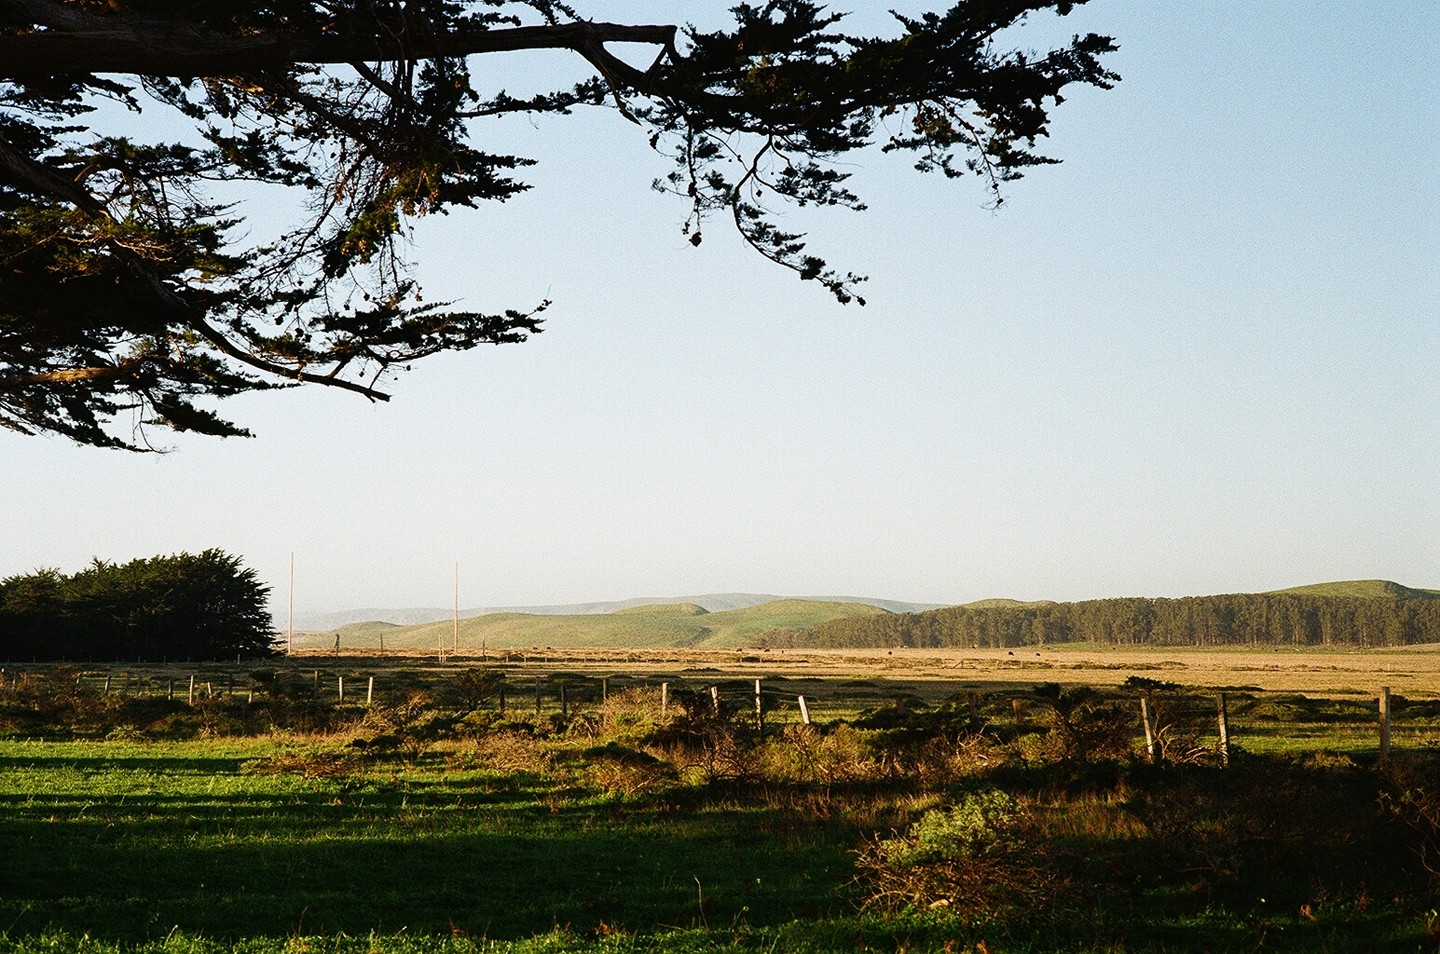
[(782, 622), (1364, 590), (641, 627)]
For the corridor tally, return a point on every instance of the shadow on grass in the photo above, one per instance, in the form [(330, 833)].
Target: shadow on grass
[(327, 863), (169, 765)]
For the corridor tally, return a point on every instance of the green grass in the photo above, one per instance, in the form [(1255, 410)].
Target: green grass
[(641, 627), (130, 842), (303, 843)]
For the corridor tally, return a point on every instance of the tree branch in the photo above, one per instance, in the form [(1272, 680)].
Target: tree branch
[(47, 181), (151, 48)]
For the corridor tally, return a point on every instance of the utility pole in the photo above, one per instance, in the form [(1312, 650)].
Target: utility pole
[(290, 623)]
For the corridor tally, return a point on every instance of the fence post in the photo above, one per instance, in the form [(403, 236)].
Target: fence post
[(715, 699), (604, 690), (170, 690), (564, 702), (1152, 744), (804, 710), (191, 698), (1224, 716), (370, 691), (1384, 725), (664, 698), (340, 687), (759, 710), (974, 708), (502, 698), (537, 695)]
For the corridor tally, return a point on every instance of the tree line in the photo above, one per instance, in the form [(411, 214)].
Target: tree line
[(1247, 619), (185, 606)]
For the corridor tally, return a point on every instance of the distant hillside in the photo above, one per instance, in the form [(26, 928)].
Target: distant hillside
[(638, 627), (669, 609), (1359, 613), (1364, 589), (710, 602)]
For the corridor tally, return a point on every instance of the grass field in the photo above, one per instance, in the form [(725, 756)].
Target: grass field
[(268, 815), (1411, 671)]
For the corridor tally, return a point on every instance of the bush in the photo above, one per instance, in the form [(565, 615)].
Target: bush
[(978, 859), (805, 755)]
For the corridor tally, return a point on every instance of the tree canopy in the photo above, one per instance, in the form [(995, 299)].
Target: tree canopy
[(186, 606), (131, 288), (1243, 619)]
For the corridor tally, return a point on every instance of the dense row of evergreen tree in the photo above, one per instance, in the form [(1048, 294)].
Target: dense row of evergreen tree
[(202, 606), (1253, 619)]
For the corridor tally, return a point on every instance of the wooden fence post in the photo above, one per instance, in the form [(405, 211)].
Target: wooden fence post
[(974, 708), (564, 702), (1152, 744), (170, 690), (715, 699), (340, 688), (1224, 717), (537, 695), (804, 710), (604, 690), (1384, 725), (370, 692), (759, 709), (191, 698)]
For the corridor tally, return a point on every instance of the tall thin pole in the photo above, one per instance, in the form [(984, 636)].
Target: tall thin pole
[(1384, 725), (455, 634), (290, 623)]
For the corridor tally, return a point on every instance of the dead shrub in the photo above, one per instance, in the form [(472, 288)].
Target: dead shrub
[(708, 752), (616, 769), (978, 859), (1411, 794), (944, 760), (307, 764), (507, 751), (805, 755)]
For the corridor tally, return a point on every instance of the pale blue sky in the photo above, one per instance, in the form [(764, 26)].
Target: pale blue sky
[(1199, 356)]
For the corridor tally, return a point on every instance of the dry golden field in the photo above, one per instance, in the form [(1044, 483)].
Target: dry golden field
[(1410, 671)]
